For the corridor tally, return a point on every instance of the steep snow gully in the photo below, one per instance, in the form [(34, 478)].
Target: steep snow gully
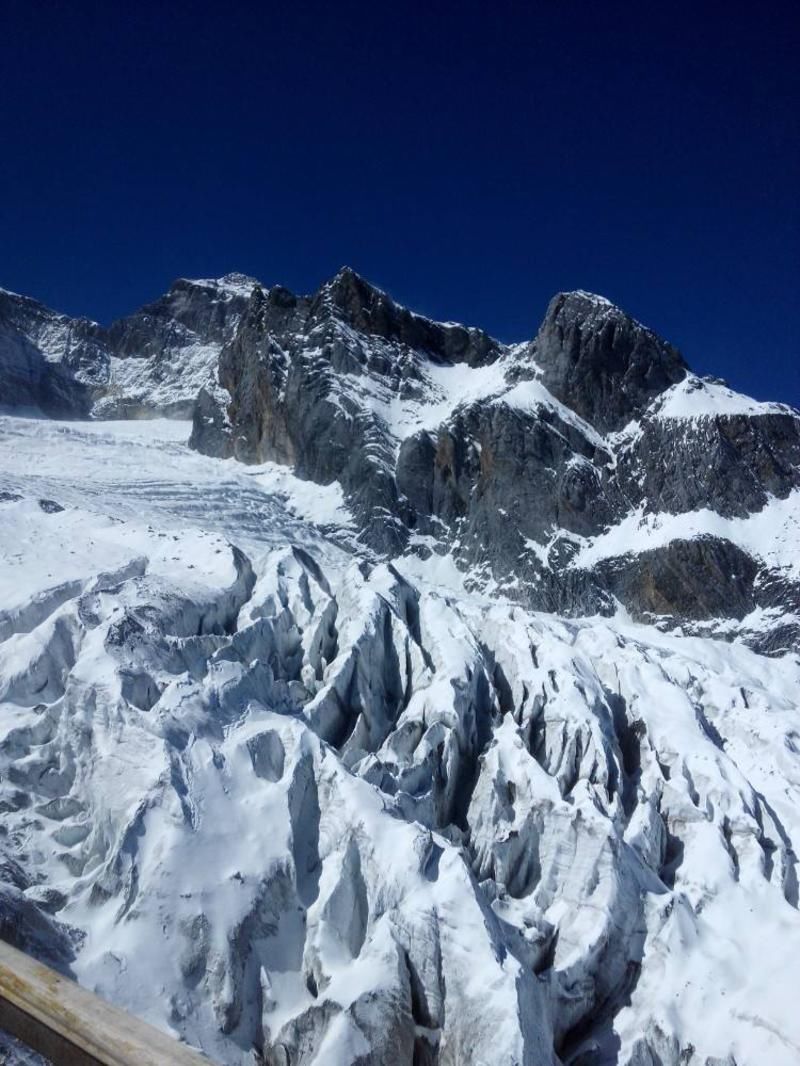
[(296, 800)]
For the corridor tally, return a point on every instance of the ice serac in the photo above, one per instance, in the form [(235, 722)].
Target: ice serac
[(298, 805)]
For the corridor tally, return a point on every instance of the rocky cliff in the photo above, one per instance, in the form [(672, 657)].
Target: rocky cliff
[(521, 460)]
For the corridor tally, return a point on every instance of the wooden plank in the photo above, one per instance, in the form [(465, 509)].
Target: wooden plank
[(73, 1027)]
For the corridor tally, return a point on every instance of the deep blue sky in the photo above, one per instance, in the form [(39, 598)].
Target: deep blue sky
[(473, 159)]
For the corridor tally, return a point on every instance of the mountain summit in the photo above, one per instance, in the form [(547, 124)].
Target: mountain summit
[(551, 467), (602, 363)]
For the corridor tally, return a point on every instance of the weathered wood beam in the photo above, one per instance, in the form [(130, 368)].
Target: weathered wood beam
[(73, 1027)]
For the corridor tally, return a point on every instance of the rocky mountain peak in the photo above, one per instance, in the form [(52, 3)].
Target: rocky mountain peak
[(235, 280), (583, 304), (362, 305), (348, 289), (370, 310), (601, 362)]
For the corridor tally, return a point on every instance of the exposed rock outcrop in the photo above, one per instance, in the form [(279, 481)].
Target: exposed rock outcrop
[(600, 362)]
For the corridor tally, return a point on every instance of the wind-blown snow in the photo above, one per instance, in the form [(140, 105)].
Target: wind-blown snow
[(529, 396)]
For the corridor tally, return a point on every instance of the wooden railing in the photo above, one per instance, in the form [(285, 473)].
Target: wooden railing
[(73, 1027)]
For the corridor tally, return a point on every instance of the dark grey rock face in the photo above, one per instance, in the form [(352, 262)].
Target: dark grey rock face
[(284, 400), (253, 369), (731, 464), (602, 363), (492, 459), (371, 311), (689, 579)]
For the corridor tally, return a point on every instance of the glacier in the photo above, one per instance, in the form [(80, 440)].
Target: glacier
[(295, 805), (372, 692)]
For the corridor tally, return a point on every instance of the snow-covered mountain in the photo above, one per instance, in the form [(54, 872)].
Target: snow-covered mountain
[(585, 469), (152, 362), (438, 705)]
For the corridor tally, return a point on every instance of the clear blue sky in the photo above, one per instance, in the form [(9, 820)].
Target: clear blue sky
[(473, 159)]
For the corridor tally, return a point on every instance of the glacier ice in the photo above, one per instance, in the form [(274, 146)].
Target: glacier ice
[(297, 804)]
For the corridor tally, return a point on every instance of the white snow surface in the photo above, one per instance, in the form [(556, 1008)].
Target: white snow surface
[(143, 380), (359, 813), (695, 397), (529, 396), (443, 389)]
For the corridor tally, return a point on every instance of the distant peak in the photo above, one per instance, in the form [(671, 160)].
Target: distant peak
[(592, 297), (582, 304), (365, 307), (350, 295), (590, 312), (348, 285), (235, 284), (346, 272), (235, 278)]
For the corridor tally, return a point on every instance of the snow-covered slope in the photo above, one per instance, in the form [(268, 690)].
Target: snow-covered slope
[(299, 804)]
